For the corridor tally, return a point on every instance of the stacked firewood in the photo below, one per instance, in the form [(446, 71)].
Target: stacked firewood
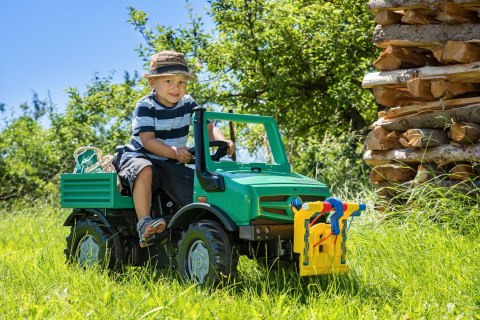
[(428, 92)]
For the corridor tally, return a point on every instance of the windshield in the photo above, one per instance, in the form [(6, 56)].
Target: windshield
[(251, 141), (257, 142)]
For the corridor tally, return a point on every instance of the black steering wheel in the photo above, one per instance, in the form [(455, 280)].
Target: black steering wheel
[(222, 147)]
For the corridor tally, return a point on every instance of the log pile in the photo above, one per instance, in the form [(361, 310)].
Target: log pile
[(428, 91)]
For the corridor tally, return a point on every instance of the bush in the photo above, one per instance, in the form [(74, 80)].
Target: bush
[(336, 160)]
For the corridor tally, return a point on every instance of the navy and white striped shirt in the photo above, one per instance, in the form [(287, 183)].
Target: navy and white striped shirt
[(170, 125)]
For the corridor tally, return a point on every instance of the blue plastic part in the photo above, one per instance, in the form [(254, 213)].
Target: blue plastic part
[(297, 203), (357, 213), (338, 206)]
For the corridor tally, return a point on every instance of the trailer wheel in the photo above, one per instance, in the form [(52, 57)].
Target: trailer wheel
[(90, 244), (205, 254)]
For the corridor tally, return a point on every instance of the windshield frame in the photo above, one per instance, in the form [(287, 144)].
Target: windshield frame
[(280, 160)]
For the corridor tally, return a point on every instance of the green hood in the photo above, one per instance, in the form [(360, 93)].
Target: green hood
[(273, 178)]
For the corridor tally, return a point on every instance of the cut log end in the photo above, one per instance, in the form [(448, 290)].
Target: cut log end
[(392, 173), (465, 132)]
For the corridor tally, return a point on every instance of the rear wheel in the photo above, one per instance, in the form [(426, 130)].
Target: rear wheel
[(90, 244), (205, 254)]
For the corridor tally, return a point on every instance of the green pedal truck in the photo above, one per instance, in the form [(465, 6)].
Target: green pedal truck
[(251, 204)]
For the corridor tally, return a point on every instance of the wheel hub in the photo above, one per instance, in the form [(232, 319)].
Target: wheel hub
[(87, 251), (198, 261)]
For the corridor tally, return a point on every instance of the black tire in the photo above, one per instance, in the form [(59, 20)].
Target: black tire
[(89, 243), (206, 254)]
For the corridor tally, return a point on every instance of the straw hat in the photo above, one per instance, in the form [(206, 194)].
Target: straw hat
[(168, 63)]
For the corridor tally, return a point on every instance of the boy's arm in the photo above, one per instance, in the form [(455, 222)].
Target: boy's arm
[(164, 150), (215, 133)]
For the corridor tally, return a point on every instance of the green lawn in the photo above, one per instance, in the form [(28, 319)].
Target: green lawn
[(401, 268)]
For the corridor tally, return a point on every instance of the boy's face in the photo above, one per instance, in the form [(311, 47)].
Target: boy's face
[(169, 89)]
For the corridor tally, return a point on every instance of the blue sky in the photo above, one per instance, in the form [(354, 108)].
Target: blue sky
[(50, 45)]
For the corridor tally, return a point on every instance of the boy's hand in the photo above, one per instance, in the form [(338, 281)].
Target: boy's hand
[(182, 154), (231, 147)]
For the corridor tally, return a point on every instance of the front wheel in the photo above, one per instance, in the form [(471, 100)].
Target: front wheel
[(90, 243), (205, 254)]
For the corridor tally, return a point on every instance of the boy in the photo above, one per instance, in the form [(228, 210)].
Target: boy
[(158, 153)]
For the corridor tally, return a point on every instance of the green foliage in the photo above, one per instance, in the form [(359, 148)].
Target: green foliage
[(32, 156), (336, 160), (455, 207), (301, 62), (38, 109), (29, 159), (100, 117)]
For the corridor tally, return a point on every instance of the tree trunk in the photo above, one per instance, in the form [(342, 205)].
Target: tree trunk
[(440, 155), (355, 118), (423, 35), (465, 132), (386, 17), (460, 52), (424, 138), (420, 89), (433, 106), (448, 90), (392, 173), (392, 97), (463, 172), (415, 17), (393, 58), (427, 172), (433, 120), (392, 189), (452, 13), (455, 73), (376, 5), (381, 139)]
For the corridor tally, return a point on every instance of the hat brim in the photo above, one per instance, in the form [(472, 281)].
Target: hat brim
[(186, 74)]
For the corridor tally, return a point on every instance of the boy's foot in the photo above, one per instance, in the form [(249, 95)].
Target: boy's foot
[(148, 227)]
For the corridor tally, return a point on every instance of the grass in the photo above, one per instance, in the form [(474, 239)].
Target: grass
[(415, 264)]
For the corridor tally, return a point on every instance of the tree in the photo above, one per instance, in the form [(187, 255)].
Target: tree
[(33, 156), (29, 160), (301, 62), (100, 117)]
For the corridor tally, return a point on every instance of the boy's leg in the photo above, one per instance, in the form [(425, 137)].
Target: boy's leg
[(142, 193), (139, 173)]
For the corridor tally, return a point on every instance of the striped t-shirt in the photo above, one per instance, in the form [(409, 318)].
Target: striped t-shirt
[(170, 125)]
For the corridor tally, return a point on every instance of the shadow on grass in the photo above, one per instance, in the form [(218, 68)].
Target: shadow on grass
[(280, 280), (256, 279)]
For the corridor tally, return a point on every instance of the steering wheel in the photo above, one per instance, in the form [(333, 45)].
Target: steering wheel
[(219, 153)]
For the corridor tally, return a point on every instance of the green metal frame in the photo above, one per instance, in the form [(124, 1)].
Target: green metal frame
[(278, 151)]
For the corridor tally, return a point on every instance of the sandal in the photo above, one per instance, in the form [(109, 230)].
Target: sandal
[(150, 227)]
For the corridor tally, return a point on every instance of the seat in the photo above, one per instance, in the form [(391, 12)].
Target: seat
[(117, 156)]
